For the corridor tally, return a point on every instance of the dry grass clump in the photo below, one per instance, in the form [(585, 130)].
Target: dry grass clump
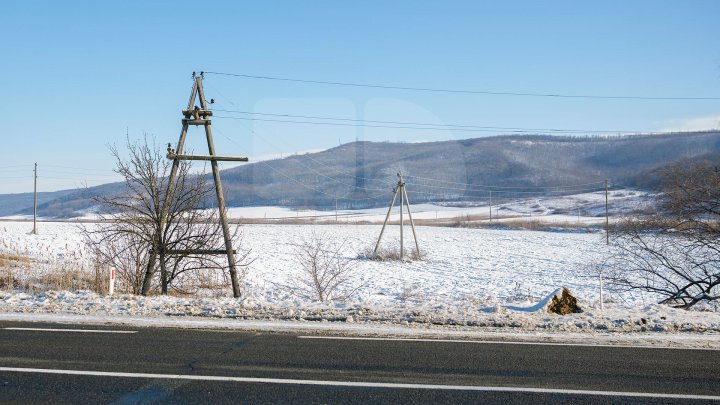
[(13, 260), (70, 276), (391, 254), (10, 264), (18, 272)]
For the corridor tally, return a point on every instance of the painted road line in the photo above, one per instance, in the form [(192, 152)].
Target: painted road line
[(500, 342), (74, 330), (361, 384)]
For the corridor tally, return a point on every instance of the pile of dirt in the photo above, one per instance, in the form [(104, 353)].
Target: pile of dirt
[(565, 304)]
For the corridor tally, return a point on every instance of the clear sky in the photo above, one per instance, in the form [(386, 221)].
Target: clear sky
[(77, 75)]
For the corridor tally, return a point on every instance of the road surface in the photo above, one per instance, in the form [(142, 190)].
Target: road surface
[(58, 363)]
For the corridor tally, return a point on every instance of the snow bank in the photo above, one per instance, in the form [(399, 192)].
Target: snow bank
[(472, 278), (614, 318)]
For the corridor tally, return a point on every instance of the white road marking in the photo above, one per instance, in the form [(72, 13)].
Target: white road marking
[(362, 384), (74, 330), (500, 342)]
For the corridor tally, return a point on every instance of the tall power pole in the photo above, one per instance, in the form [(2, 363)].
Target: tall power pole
[(490, 205), (607, 217), (35, 200), (200, 116)]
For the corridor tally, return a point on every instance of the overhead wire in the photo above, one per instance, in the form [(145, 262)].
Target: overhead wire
[(494, 187), (307, 186), (526, 131), (356, 122), (423, 124), (469, 187), (336, 170), (465, 91), (310, 168)]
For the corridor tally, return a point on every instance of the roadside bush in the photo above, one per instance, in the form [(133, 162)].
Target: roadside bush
[(326, 272)]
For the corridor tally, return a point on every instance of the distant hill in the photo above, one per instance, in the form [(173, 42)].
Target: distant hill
[(362, 174)]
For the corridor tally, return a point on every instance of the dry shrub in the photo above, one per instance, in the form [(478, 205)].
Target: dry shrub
[(13, 260), (10, 264), (68, 276), (391, 254), (326, 272), (23, 273)]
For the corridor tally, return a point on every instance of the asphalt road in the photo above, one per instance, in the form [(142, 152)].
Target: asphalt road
[(151, 365)]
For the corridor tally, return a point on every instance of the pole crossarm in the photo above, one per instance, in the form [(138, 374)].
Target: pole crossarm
[(196, 122), (173, 156), (197, 113), (195, 251)]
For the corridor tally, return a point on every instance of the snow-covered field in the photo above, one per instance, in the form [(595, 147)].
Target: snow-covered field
[(470, 278), (585, 208)]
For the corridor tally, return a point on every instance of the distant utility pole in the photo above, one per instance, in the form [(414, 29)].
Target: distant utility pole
[(404, 200), (607, 218), (490, 205), (35, 201)]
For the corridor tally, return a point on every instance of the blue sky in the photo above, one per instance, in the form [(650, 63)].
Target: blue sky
[(78, 75)]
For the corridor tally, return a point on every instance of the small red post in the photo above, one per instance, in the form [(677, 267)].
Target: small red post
[(112, 280)]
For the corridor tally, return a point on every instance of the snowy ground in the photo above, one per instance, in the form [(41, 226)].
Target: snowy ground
[(471, 279), (585, 208), (576, 209)]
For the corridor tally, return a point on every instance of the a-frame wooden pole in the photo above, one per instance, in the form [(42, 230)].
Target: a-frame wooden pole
[(196, 116), (220, 196), (387, 217), (412, 224)]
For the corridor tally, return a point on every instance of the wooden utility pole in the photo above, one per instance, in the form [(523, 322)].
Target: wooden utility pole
[(404, 200), (200, 116), (490, 205), (35, 200), (402, 223), (607, 217)]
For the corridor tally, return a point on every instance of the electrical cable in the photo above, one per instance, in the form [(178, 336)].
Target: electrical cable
[(485, 92), (525, 131), (434, 126)]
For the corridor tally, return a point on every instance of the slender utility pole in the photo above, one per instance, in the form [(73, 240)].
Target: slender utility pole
[(490, 205), (607, 218), (402, 225), (336, 209), (35, 201)]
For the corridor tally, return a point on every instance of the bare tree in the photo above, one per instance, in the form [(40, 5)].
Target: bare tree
[(326, 272), (675, 253), (126, 253), (160, 225)]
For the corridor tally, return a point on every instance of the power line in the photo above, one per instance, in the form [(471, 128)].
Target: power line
[(438, 126), (79, 168), (493, 187), (485, 92), (26, 165), (421, 128), (467, 186), (309, 187), (336, 170)]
